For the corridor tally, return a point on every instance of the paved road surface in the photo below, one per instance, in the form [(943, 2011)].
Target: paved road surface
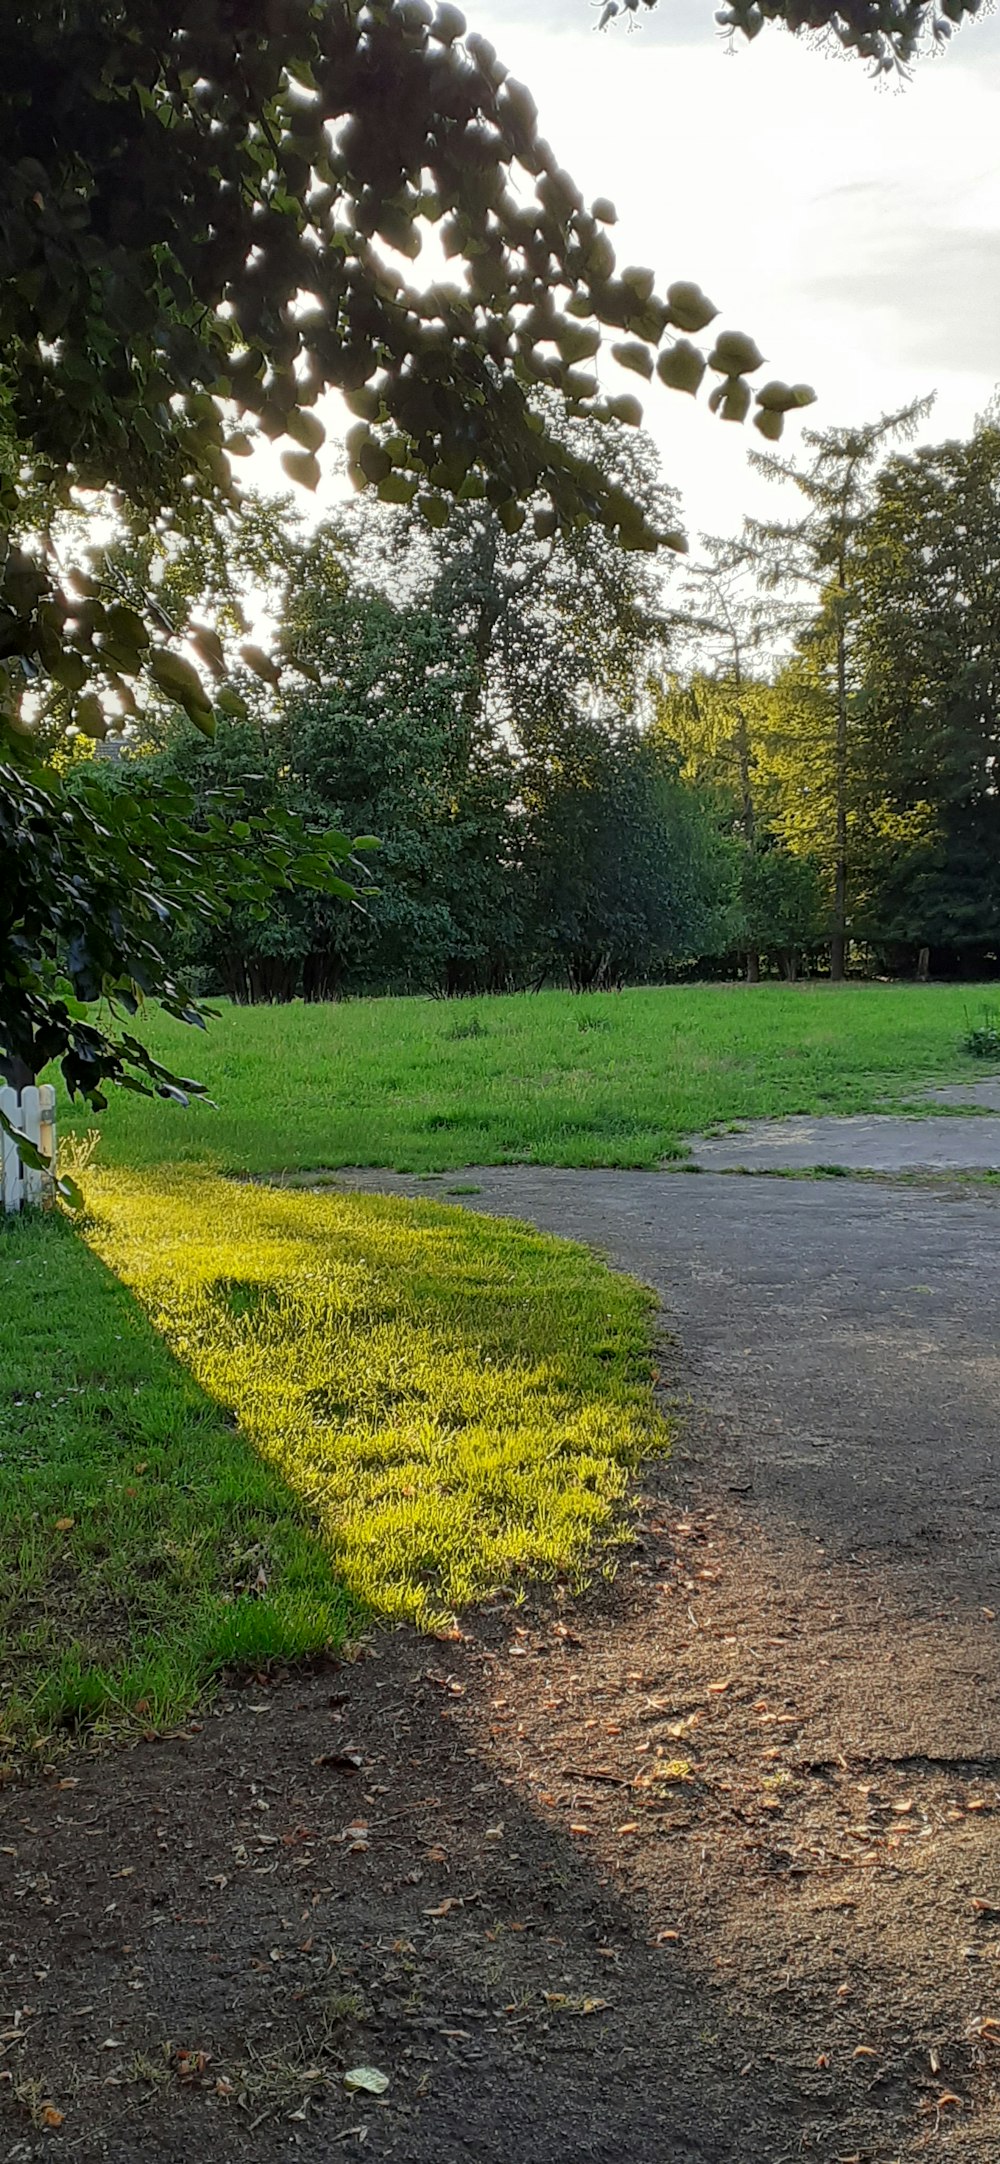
[(839, 1342)]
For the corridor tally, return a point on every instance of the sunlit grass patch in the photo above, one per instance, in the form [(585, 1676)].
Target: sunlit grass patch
[(241, 1423), (456, 1401)]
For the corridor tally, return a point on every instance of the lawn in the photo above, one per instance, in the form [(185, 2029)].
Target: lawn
[(239, 1424), (612, 1079)]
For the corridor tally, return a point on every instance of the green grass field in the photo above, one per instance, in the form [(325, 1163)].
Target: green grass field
[(239, 1423), (612, 1079)]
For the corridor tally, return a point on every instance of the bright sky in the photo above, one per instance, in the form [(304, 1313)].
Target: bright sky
[(853, 229)]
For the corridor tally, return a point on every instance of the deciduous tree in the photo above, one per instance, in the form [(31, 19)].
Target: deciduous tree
[(889, 34), (202, 208), (625, 869), (927, 653)]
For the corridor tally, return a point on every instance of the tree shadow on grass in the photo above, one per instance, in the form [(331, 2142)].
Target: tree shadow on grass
[(143, 1544)]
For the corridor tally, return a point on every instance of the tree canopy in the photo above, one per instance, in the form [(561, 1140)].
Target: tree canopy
[(928, 660), (890, 34), (581, 776), (476, 699), (203, 211), (818, 551), (867, 753)]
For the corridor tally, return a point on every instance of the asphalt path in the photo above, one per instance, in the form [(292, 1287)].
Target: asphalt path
[(834, 1353)]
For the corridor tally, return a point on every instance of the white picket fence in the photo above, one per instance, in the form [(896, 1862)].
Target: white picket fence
[(34, 1114)]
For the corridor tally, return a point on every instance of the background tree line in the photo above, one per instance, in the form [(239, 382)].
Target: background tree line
[(858, 769), (582, 773)]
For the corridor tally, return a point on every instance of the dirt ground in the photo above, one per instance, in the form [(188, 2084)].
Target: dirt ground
[(700, 1868)]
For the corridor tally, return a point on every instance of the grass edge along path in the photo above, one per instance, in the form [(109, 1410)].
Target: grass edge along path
[(236, 1425), (425, 1085)]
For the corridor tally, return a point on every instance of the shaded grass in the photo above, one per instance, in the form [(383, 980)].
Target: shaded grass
[(239, 1422), (610, 1079), (134, 1521)]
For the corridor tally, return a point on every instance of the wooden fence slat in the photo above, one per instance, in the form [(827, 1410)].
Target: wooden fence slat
[(10, 1163), (31, 1125), (34, 1113), (47, 1138)]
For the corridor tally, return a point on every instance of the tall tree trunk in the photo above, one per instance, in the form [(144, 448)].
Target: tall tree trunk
[(489, 602), (748, 816), (838, 941)]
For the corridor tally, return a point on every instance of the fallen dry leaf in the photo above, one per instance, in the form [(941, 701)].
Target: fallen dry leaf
[(367, 2078), (445, 1907), (49, 2115)]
